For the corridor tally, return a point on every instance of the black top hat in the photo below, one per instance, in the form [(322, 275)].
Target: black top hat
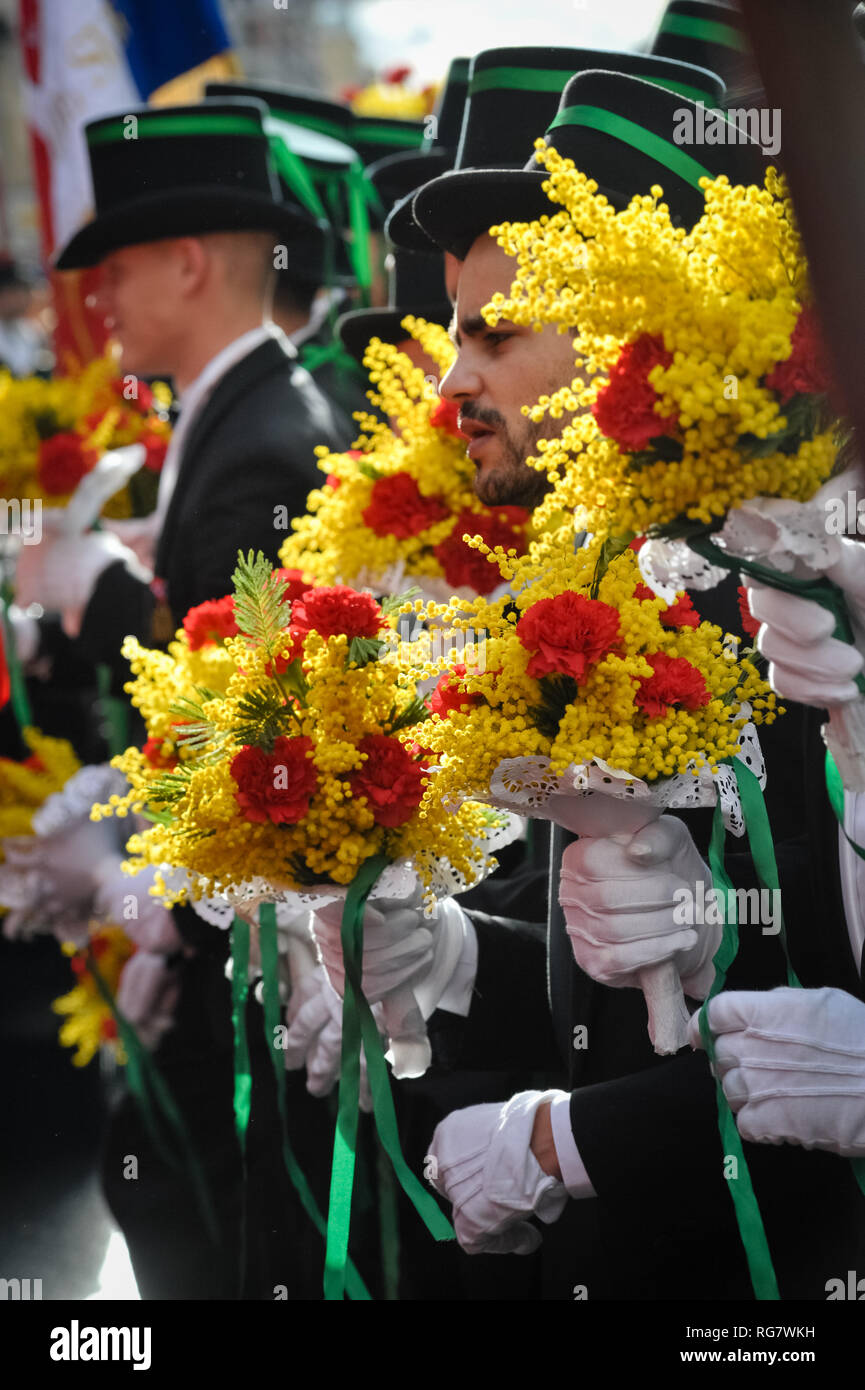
[(713, 35), (415, 286), (399, 174), (495, 123), (617, 129), (312, 164), (376, 136), (181, 171)]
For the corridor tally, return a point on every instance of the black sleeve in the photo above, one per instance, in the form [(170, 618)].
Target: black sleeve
[(652, 1149), (508, 1026), (120, 604)]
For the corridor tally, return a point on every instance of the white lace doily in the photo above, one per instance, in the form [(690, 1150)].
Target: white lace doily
[(791, 537), (527, 786), (94, 783)]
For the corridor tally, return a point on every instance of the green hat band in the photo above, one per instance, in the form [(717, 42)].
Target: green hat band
[(659, 149), (152, 126), (709, 30)]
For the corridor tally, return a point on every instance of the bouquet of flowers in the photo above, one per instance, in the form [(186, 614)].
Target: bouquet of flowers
[(597, 705), (54, 433), (395, 511), (89, 1021), (292, 763), (707, 421)]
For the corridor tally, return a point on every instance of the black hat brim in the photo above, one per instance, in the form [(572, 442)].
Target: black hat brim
[(185, 212), (356, 328), (454, 210)]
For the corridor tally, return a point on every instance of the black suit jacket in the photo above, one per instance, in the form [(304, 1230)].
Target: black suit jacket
[(248, 464)]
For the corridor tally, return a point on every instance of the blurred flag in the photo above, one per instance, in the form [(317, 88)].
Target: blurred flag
[(83, 60)]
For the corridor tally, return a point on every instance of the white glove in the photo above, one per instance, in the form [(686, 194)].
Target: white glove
[(408, 961), (25, 633), (147, 995), (61, 571), (806, 663), (125, 900), (314, 1038), (481, 1160), (619, 905), (792, 1065)]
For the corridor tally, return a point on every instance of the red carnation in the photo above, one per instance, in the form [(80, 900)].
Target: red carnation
[(682, 613), (674, 682), (295, 584), (398, 508), (467, 568), (625, 409), (337, 609), (750, 626), (155, 446), (275, 786), (63, 462), (637, 544), (397, 75), (444, 417), (108, 1029), (211, 621), (448, 697), (153, 751), (390, 779), (805, 371), (568, 634)]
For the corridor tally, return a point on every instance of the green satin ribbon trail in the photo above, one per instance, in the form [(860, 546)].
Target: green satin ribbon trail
[(242, 1068), (18, 686), (355, 1287), (115, 712), (748, 1218), (835, 790), (822, 590), (760, 839), (358, 1025), (151, 1093)]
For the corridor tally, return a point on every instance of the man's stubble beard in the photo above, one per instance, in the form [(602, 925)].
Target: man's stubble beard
[(513, 482)]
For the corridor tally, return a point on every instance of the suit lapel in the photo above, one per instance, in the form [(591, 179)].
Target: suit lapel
[(246, 373)]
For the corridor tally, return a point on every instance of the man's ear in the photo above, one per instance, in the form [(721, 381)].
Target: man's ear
[(193, 264)]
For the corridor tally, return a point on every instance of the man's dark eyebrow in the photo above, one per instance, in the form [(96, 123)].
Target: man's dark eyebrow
[(471, 327)]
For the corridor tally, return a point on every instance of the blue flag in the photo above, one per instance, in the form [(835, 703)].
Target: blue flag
[(165, 38)]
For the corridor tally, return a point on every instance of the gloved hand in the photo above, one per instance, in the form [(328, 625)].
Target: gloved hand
[(620, 909), (806, 663), (61, 571), (125, 900), (481, 1160), (314, 1037), (147, 995), (408, 961), (792, 1065)]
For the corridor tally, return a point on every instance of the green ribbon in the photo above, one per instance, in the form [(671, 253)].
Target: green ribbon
[(315, 355), (359, 1026), (823, 591), (294, 172), (150, 125), (115, 711), (709, 30), (748, 1218), (355, 1287), (151, 1093), (242, 1067), (762, 845), (620, 128), (375, 134), (835, 790), (510, 79)]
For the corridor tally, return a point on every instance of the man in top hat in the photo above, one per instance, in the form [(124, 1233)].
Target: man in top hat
[(187, 271), (188, 223), (634, 1139)]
